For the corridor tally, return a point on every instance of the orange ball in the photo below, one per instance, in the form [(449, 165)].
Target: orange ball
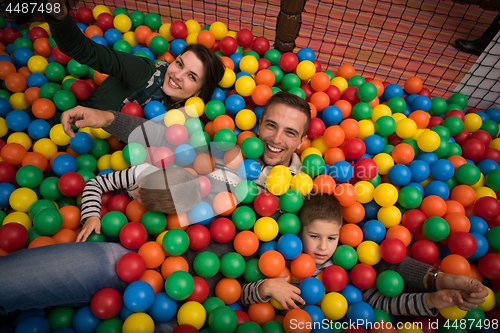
[(403, 153), (209, 129), (374, 102), (271, 263), (141, 33), (233, 158), (246, 243), (265, 76), (16, 82), (320, 100), (457, 222), (223, 121), (333, 155), (314, 111), (42, 47), (350, 127), (43, 109), (167, 56), (454, 207), (433, 205), (463, 194), (345, 194), (206, 38), (31, 95), (99, 77), (64, 236), (224, 203), (41, 241), (303, 266), (244, 135), (421, 118), (261, 313), (400, 232), (228, 62), (345, 107), (261, 94), (93, 30), (228, 290), (297, 321), (6, 68), (474, 270), (25, 71), (307, 143), (36, 159), (351, 234), (334, 136), (379, 85), (346, 71), (320, 81), (154, 279), (134, 211), (177, 221), (457, 161), (413, 85), (324, 184), (455, 264), (173, 264), (354, 213), (203, 164), (13, 153), (153, 253), (151, 36), (71, 217)]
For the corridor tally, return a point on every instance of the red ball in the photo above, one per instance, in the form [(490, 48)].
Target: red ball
[(435, 121), (132, 109), (244, 38), (133, 235), (105, 21), (489, 266), (106, 303), (163, 157), (242, 316), (462, 243), (363, 276), (84, 15), (308, 90), (131, 267), (60, 57), (201, 290), (71, 184), (228, 45), (222, 230), (365, 169), (13, 236), (487, 208), (316, 128), (351, 95), (92, 84), (7, 172), (455, 113), (425, 92), (413, 220), (186, 328), (354, 148), (36, 33), (10, 34), (105, 198), (176, 134), (206, 185), (334, 93), (482, 136), (334, 278), (215, 47), (473, 149), (81, 89), (263, 64), (265, 204), (199, 237), (355, 330), (425, 251), (260, 45), (491, 154), (179, 30), (461, 137), (318, 66), (118, 203), (393, 250), (288, 62)]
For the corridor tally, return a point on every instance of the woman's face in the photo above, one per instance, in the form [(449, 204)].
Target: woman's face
[(184, 77)]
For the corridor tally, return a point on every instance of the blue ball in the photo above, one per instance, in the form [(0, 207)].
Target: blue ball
[(5, 107), (100, 40), (202, 214), (484, 116), (177, 46), (361, 313), (33, 324), (331, 115), (342, 171), (494, 114), (39, 129), (399, 175), (6, 190), (236, 58), (219, 95), (64, 163), (482, 245), (418, 187), (154, 110), (82, 143), (311, 290), (478, 225), (374, 144), (235, 306), (37, 80), (125, 312), (371, 210), (21, 56), (30, 313), (392, 90), (112, 36), (420, 170), (290, 246), (7, 58), (139, 296), (216, 152), (237, 131), (184, 154), (485, 166), (82, 27), (241, 74), (17, 120), (234, 104), (135, 48), (442, 170), (316, 314), (258, 112), (352, 294), (249, 169), (84, 321), (374, 231), (444, 252), (105, 172), (150, 53), (9, 49), (410, 98), (428, 158), (439, 188), (421, 103), (268, 246), (306, 54)]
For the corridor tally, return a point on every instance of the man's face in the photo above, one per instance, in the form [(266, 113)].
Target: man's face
[(282, 132)]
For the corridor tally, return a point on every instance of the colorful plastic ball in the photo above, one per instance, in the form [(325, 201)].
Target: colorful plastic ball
[(385, 195), (138, 296), (390, 283), (312, 290), (271, 263), (436, 229), (163, 308), (192, 313), (206, 264), (179, 285), (428, 141), (250, 170), (223, 319), (399, 175), (138, 323), (133, 235), (13, 236), (71, 184), (341, 171), (106, 303), (420, 170), (82, 143), (363, 276), (21, 199), (290, 246), (373, 230), (334, 306), (468, 174)]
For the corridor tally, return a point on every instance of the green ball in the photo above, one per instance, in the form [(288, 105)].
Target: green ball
[(5, 94), (225, 139), (212, 303), (86, 174), (60, 317), (273, 326), (215, 108), (290, 81), (194, 125), (452, 106), (381, 315), (288, 223), (491, 127), (40, 205), (48, 221), (52, 42), (249, 327), (141, 54), (179, 285), (23, 42), (158, 45), (252, 53), (451, 183), (206, 264), (345, 256), (112, 223), (459, 99), (397, 104), (455, 150), (377, 180), (223, 320), (385, 126), (367, 92), (137, 18), (443, 132), (492, 180), (66, 85), (436, 229), (29, 176), (390, 283), (219, 54), (77, 69), (123, 46), (49, 188), (443, 149), (112, 325), (454, 124), (2, 216), (32, 235), (273, 56), (493, 238), (91, 72), (134, 153), (246, 191), (252, 271), (118, 11), (362, 111), (86, 162), (153, 21), (99, 148), (291, 201), (278, 74), (297, 92), (175, 242), (330, 74), (3, 22), (252, 147), (475, 319), (232, 265), (313, 165), (96, 238), (244, 218), (438, 106), (409, 197), (154, 222), (64, 100), (468, 174), (413, 143), (239, 50), (275, 90), (356, 81), (55, 72), (388, 149), (66, 201), (200, 141)]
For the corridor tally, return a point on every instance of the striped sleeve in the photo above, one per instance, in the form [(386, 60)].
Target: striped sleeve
[(405, 304), (250, 293), (93, 190)]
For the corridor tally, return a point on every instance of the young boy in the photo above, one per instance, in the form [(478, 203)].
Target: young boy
[(169, 191)]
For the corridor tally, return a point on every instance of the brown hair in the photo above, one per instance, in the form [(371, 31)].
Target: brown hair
[(320, 207), (170, 191), (292, 101)]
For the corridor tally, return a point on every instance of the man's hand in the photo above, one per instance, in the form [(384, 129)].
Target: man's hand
[(446, 298), (471, 290), (85, 117), (282, 291), (92, 223)]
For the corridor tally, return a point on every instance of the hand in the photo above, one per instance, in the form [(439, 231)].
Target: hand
[(282, 291), (471, 290), (446, 298), (85, 117), (92, 223)]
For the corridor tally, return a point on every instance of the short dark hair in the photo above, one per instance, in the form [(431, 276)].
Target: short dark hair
[(292, 101), (321, 207), (155, 191), (214, 69)]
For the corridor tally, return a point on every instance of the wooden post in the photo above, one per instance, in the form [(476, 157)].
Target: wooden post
[(288, 24)]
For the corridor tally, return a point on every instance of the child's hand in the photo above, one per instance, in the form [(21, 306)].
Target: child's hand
[(92, 223), (446, 298), (282, 291)]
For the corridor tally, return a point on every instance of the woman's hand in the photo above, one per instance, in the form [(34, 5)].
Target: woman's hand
[(85, 117), (282, 291), (92, 223)]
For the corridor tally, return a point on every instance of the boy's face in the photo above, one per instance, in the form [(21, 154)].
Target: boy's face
[(320, 239)]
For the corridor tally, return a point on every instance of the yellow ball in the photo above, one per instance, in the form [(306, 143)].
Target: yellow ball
[(99, 9), (99, 133), (34, 24), (398, 116), (495, 144), (245, 86), (389, 216), (192, 313), (249, 64), (406, 128), (88, 130), (3, 127), (366, 128), (228, 78), (18, 217), (219, 30), (129, 37), (484, 192), (45, 26), (245, 119), (365, 190), (159, 238), (340, 83), (46, 147), (233, 34), (21, 199), (417, 133), (380, 111), (472, 122), (117, 161), (165, 32), (281, 171), (138, 323), (384, 163), (452, 313), (320, 144), (195, 107), (409, 327), (70, 77), (58, 136), (37, 64), (276, 304), (368, 253), (22, 138), (122, 23), (489, 301), (428, 141), (305, 69), (266, 229), (426, 182), (174, 116), (302, 183), (104, 162), (309, 151), (385, 195), (479, 183), (17, 101), (334, 306), (278, 183), (193, 27), (192, 38)]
